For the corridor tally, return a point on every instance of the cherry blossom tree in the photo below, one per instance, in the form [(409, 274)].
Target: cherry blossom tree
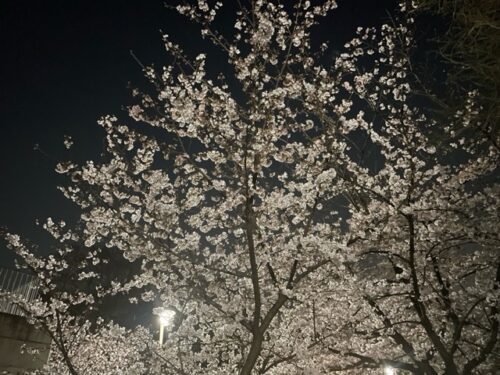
[(294, 212)]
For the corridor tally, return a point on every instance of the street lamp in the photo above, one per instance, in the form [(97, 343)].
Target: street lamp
[(388, 370), (166, 317)]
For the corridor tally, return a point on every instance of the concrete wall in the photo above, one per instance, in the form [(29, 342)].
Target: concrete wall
[(14, 333)]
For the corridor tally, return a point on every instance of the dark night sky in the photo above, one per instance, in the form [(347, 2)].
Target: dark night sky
[(63, 65)]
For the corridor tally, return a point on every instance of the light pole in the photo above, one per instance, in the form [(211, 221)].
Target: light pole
[(166, 318)]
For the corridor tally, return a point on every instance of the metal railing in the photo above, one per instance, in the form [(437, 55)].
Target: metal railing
[(23, 286)]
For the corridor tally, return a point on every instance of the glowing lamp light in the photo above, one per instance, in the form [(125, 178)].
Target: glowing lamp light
[(166, 317), (389, 371)]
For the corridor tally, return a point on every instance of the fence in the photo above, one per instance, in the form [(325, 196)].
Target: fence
[(23, 285)]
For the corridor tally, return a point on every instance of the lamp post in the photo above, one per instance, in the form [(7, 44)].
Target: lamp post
[(166, 318)]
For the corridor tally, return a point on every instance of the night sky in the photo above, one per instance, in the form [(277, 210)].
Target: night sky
[(66, 63)]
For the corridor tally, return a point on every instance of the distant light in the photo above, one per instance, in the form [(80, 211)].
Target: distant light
[(388, 370), (166, 317)]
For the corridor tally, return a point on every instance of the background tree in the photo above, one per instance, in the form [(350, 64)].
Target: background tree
[(465, 45), (293, 211)]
